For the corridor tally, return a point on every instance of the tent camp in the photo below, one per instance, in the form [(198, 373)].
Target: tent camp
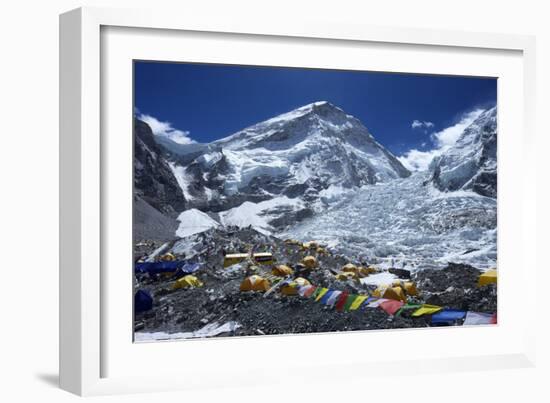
[(408, 286), (366, 271), (282, 271), (309, 262), (188, 281), (350, 268), (142, 301), (489, 277), (255, 283), (263, 258), (395, 293), (344, 276), (234, 258), (292, 287)]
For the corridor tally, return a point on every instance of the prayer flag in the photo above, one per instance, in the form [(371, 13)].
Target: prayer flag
[(320, 294), (426, 310), (333, 298), (357, 303), (349, 301), (341, 301), (391, 306), (479, 318)]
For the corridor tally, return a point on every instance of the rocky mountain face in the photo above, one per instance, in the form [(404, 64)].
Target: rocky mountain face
[(288, 163), (471, 163), (158, 199), (154, 181)]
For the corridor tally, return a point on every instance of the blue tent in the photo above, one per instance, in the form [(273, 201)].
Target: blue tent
[(447, 317), (159, 267), (142, 301)]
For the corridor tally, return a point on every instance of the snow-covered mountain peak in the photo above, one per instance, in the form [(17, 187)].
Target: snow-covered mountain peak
[(284, 167), (317, 122), (471, 163)]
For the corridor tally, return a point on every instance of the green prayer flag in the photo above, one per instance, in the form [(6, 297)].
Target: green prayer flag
[(349, 301)]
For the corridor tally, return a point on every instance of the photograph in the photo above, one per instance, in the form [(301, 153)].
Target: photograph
[(271, 200)]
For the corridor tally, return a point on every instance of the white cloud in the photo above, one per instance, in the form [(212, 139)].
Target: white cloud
[(416, 160), (419, 124), (447, 137), (165, 129)]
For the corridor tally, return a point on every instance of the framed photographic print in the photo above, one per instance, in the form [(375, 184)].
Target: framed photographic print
[(229, 190)]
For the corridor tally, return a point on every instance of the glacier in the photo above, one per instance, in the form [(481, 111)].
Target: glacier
[(407, 222)]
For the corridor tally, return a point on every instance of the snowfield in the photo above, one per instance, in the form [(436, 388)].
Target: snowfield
[(194, 221)]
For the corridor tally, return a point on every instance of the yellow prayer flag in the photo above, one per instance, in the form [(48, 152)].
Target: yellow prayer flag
[(357, 302), (320, 295), (427, 310)]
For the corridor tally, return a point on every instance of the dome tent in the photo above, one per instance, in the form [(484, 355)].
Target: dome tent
[(255, 283), (142, 301)]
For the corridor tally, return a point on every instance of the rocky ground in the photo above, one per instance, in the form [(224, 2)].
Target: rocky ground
[(220, 301)]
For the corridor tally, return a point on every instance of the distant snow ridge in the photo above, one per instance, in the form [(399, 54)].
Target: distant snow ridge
[(471, 163)]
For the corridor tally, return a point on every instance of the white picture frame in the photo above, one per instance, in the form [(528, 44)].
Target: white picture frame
[(88, 316)]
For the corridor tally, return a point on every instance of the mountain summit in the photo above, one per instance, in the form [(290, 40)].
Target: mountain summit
[(296, 154)]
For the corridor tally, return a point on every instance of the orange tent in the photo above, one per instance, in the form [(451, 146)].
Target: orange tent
[(396, 293), (282, 271), (255, 283)]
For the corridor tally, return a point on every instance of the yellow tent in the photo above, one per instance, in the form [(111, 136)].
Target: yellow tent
[(350, 268), (395, 293), (188, 281), (426, 310), (168, 257), (255, 283), (263, 258), (310, 262), (321, 251), (365, 271), (408, 286), (282, 271), (347, 275), (310, 245), (292, 287), (489, 277), (234, 258)]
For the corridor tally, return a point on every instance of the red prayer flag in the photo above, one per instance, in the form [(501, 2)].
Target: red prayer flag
[(341, 301), (309, 291), (391, 306)]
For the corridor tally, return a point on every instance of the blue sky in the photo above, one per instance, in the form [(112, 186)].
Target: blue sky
[(404, 112)]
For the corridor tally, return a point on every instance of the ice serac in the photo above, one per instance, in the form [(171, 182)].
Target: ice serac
[(292, 159), (471, 163)]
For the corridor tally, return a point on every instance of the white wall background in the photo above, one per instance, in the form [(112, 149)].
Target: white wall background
[(29, 201)]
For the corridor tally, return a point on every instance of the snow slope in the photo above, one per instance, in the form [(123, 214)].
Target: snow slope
[(193, 221)]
